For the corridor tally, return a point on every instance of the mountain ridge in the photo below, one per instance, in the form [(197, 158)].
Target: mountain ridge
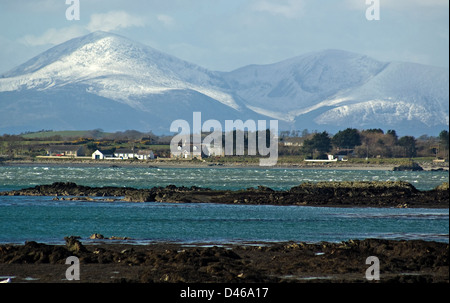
[(329, 89)]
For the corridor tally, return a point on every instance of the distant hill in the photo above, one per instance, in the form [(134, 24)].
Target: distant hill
[(62, 134), (107, 81)]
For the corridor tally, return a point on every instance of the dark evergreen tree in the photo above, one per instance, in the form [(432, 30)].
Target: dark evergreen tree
[(320, 142), (348, 138), (409, 144)]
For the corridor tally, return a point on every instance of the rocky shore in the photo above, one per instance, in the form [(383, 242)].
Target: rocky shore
[(400, 261), (335, 194)]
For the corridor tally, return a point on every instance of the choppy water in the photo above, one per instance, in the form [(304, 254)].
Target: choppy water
[(44, 220), (224, 178)]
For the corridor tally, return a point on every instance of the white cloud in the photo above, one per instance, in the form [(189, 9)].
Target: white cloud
[(166, 20), (53, 36), (113, 20), (286, 8), (109, 21)]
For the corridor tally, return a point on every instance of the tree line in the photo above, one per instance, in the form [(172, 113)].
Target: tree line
[(374, 143)]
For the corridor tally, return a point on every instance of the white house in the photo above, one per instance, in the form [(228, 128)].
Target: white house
[(188, 151), (124, 153), (199, 151), (145, 155), (101, 155), (214, 150)]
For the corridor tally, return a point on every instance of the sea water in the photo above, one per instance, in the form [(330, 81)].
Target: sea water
[(17, 177), (44, 220)]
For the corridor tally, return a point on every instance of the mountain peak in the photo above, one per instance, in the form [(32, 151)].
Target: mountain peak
[(102, 34), (59, 52)]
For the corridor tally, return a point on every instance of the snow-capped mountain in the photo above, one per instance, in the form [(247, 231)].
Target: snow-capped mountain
[(293, 87), (106, 81), (335, 89), (114, 66)]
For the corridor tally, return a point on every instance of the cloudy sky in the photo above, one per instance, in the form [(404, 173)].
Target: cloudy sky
[(227, 34)]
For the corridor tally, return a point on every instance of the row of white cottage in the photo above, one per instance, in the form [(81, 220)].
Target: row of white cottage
[(123, 154)]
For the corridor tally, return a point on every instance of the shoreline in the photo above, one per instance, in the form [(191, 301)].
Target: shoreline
[(279, 262), (199, 164), (186, 164)]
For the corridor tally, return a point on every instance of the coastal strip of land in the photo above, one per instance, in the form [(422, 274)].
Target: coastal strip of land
[(371, 164), (332, 194)]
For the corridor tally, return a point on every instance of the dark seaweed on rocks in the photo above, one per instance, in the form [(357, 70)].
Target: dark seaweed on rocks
[(400, 261)]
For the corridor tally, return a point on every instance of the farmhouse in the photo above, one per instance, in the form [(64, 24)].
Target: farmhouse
[(214, 150), (124, 153), (188, 151), (145, 155), (199, 151), (64, 150)]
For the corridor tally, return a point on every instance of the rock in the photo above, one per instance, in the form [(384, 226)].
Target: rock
[(139, 196), (96, 236), (402, 261), (74, 245), (118, 238), (351, 190), (265, 189), (410, 167), (358, 194), (102, 237), (443, 186)]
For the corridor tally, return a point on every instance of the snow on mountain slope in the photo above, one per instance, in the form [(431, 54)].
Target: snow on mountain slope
[(402, 91), (292, 86), (114, 67)]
